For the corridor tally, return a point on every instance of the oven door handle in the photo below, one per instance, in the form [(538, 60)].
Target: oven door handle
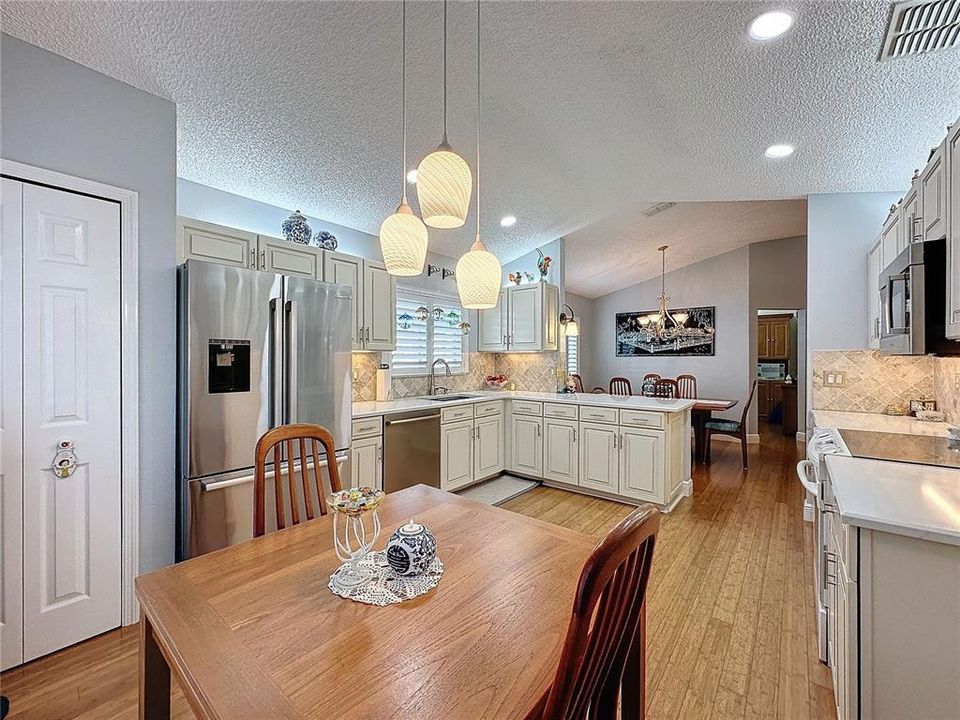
[(806, 469)]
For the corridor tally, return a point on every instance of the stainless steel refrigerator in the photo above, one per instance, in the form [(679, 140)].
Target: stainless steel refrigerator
[(256, 350)]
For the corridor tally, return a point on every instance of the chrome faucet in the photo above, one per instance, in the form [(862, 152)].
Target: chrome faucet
[(432, 388)]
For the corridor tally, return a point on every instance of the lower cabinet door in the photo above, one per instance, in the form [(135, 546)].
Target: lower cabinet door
[(561, 454), (641, 464), (526, 445), (599, 457), (488, 447), (456, 455), (366, 463)]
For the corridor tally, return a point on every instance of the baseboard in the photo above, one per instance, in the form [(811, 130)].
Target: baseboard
[(752, 438)]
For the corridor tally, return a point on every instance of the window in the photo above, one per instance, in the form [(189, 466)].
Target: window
[(573, 354), (421, 341)]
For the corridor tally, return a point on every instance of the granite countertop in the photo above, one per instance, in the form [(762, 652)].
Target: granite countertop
[(368, 409), (904, 425), (918, 501)]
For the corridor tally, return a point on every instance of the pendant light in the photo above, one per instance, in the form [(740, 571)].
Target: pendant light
[(403, 236), (479, 275), (443, 177)]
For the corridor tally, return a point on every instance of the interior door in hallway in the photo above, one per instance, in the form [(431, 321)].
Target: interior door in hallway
[(71, 393)]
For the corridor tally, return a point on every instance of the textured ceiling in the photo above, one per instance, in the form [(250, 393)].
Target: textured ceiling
[(622, 250), (590, 109)]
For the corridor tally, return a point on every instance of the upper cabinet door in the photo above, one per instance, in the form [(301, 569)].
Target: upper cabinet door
[(492, 330), (952, 172), (288, 258), (933, 197), (379, 307), (910, 220), (550, 320), (200, 240), (874, 266), (780, 335), (526, 318), (345, 269), (891, 236)]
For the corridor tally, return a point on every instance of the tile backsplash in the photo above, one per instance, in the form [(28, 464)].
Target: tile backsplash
[(873, 380), (530, 371)]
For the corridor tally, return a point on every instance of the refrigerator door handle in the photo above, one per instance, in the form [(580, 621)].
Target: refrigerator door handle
[(276, 364), (291, 351)]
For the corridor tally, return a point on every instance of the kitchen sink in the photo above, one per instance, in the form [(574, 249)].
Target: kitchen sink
[(448, 398)]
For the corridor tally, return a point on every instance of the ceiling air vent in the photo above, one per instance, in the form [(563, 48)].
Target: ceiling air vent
[(921, 26), (659, 207)]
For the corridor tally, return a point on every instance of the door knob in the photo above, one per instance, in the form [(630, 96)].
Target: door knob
[(65, 461)]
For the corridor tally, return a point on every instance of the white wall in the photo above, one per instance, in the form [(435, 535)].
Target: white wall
[(721, 281), (62, 116)]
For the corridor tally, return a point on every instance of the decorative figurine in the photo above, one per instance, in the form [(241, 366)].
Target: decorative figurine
[(411, 549), (543, 265), (296, 228), (325, 240), (569, 386)]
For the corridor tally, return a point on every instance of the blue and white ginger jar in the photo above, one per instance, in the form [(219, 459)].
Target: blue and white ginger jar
[(411, 549), (325, 240), (296, 228)]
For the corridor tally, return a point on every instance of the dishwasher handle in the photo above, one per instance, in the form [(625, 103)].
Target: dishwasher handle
[(411, 420)]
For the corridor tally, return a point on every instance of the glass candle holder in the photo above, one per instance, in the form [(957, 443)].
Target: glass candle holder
[(356, 527)]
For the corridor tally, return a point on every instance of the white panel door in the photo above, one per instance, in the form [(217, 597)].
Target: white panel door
[(290, 258), (366, 463), (561, 452), (492, 331), (345, 269), (456, 455), (641, 464), (379, 307), (599, 457), (526, 444), (11, 434), (526, 318), (488, 449), (71, 391)]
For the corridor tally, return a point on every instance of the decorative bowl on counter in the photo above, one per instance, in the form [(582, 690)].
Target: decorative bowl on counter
[(496, 382)]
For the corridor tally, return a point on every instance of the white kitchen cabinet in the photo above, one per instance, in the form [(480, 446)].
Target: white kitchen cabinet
[(379, 307), (526, 445), (526, 319), (599, 457), (874, 268), (344, 269), (287, 258), (890, 237), (200, 240), (641, 464), (910, 221), (952, 173), (366, 462), (492, 326), (561, 450), (933, 197), (456, 454), (488, 447)]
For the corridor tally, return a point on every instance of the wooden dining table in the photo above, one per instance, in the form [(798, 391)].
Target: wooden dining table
[(702, 411), (253, 631)]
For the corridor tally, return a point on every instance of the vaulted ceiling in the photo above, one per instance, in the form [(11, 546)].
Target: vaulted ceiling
[(592, 110)]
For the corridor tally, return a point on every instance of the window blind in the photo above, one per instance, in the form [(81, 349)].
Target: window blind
[(573, 354), (420, 342)]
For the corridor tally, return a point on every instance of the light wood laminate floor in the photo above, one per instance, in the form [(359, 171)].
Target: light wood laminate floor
[(730, 614)]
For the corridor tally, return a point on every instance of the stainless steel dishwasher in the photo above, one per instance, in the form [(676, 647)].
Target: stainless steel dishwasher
[(411, 450)]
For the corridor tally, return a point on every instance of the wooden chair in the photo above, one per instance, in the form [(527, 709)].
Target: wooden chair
[(578, 382), (718, 426), (620, 386), (666, 388), (652, 377), (687, 385), (603, 652), (274, 440)]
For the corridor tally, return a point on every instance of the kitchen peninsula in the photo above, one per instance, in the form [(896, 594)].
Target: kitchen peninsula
[(632, 449)]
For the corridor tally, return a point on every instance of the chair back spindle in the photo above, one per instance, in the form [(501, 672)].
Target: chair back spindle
[(687, 385)]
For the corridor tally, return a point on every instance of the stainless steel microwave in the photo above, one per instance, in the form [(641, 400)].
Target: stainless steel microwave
[(913, 296)]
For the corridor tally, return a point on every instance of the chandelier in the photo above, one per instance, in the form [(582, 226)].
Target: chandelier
[(664, 326)]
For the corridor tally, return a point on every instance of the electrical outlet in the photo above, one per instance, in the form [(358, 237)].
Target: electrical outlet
[(356, 375), (956, 382), (834, 378)]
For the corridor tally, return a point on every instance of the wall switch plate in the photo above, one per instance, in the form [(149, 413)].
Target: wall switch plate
[(834, 378), (356, 375)]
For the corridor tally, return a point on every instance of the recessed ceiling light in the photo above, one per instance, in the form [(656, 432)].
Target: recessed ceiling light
[(508, 221), (412, 176), (770, 25), (775, 152)]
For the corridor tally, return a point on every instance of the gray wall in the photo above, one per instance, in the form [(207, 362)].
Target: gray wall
[(841, 229), (65, 117), (722, 281), (584, 310)]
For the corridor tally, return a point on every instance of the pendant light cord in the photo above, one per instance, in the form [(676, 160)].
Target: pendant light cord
[(445, 72), (478, 117), (403, 93)]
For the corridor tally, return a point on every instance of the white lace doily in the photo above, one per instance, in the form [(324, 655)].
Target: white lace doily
[(386, 587)]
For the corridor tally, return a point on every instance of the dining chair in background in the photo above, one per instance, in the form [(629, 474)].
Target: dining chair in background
[(577, 382), (620, 386), (652, 377), (666, 388), (598, 391), (719, 426), (603, 652), (687, 386), (308, 440)]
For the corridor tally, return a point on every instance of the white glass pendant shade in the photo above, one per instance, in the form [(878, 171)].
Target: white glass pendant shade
[(479, 277), (403, 242), (571, 329), (444, 184)]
